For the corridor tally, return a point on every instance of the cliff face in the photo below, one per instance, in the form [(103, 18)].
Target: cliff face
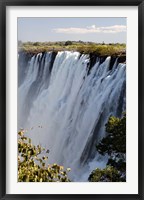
[(121, 57)]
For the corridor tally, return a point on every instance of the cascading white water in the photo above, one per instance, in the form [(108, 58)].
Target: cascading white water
[(71, 105)]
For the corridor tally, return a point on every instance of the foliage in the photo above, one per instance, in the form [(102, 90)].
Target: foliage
[(115, 141), (80, 46), (108, 174), (68, 43), (114, 145), (32, 163), (37, 44)]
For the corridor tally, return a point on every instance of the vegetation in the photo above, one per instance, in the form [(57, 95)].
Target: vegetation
[(108, 174), (32, 166), (32, 163), (114, 145), (83, 47)]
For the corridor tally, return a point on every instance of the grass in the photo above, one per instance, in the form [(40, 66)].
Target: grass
[(82, 47)]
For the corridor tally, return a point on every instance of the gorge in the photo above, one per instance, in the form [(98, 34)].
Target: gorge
[(64, 101)]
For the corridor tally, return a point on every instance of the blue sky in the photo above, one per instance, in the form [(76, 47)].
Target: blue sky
[(62, 29)]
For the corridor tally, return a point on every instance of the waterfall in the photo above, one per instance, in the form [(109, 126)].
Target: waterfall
[(65, 101)]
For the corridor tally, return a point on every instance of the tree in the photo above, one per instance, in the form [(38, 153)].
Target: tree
[(68, 43), (32, 164), (114, 146), (108, 174)]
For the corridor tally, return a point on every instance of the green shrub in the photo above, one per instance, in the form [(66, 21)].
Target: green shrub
[(114, 146), (68, 43), (108, 174)]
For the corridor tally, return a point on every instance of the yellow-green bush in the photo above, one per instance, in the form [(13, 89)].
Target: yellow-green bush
[(82, 47), (32, 165)]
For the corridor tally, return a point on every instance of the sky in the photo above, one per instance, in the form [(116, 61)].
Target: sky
[(108, 30)]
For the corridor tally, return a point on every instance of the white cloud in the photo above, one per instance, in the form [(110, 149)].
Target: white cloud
[(92, 29)]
